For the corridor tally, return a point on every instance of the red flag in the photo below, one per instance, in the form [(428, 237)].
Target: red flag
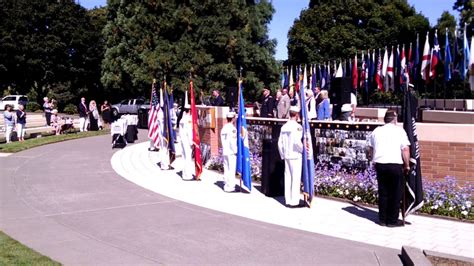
[(425, 62), (196, 140), (355, 74)]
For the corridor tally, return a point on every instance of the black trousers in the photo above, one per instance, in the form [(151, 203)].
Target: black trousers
[(389, 178), (48, 118)]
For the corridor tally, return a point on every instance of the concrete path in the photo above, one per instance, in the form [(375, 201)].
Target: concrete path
[(332, 218), (65, 201)]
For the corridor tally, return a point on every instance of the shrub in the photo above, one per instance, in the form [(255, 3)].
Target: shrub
[(70, 109), (33, 107)]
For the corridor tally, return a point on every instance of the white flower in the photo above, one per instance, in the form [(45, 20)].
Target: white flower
[(450, 208), (462, 207), (357, 198), (464, 213), (346, 192), (468, 204), (435, 207)]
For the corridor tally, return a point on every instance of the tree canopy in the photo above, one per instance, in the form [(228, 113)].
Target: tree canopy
[(332, 29), (213, 39), (49, 48)]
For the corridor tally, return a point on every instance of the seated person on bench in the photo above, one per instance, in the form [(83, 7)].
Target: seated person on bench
[(56, 122), (68, 124)]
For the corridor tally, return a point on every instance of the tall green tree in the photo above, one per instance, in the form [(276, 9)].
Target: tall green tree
[(211, 39), (48, 47), (466, 12), (332, 29), (446, 21)]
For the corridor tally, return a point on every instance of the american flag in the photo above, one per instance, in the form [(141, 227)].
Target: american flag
[(153, 126)]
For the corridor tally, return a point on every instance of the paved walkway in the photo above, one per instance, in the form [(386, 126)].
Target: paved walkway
[(66, 201), (332, 218)]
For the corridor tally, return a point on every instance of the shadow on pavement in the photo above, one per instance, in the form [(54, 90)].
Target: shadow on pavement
[(363, 212)]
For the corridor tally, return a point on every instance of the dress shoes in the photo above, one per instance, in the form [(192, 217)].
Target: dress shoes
[(397, 224)]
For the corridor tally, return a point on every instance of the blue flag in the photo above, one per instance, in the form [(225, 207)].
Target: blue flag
[(307, 176), (466, 54), (168, 132), (243, 153), (447, 59), (416, 60)]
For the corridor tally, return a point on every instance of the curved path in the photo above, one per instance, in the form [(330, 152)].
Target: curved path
[(65, 201)]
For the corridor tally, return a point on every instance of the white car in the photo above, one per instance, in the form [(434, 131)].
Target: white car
[(13, 100)]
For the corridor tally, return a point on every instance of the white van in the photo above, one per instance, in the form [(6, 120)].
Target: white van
[(13, 100)]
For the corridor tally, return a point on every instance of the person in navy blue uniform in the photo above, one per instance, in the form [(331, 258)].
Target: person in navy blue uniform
[(268, 104)]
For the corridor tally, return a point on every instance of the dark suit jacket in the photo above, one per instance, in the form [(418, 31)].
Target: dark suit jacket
[(218, 101), (268, 104), (82, 110)]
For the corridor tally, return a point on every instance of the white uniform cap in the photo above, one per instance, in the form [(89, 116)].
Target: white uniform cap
[(294, 109), (230, 115), (411, 85)]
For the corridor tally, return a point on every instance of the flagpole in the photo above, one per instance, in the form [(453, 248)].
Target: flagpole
[(239, 84), (404, 175), (444, 95)]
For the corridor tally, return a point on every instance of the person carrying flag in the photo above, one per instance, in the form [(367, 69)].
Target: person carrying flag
[(390, 152), (229, 151), (186, 137), (290, 146)]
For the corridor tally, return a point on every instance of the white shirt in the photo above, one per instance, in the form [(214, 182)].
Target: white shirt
[(311, 105), (186, 130), (387, 142), (347, 107), (290, 145), (229, 139)]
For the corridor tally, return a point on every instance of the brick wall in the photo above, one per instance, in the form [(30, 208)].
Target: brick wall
[(440, 159), (212, 136)]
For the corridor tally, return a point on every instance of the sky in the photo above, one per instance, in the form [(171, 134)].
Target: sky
[(286, 11)]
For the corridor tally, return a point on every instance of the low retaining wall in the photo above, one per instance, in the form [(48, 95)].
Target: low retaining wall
[(446, 149)]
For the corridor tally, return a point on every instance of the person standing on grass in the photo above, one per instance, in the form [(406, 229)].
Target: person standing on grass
[(93, 116), (9, 119), (20, 122), (389, 150), (47, 107), (83, 114)]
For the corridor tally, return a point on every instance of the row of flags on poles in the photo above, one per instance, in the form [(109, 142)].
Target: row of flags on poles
[(161, 133), (389, 68)]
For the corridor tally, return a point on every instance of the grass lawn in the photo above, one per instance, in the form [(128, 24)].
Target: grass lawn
[(35, 142), (13, 252)]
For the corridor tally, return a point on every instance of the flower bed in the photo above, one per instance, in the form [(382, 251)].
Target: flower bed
[(445, 197)]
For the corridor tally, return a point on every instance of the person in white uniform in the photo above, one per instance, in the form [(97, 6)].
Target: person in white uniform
[(186, 137), (290, 146), (229, 150)]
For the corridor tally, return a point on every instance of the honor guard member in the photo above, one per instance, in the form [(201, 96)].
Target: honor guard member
[(290, 146), (186, 136), (229, 150)]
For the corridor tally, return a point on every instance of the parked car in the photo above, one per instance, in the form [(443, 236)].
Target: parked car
[(13, 100), (129, 106)]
